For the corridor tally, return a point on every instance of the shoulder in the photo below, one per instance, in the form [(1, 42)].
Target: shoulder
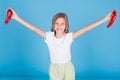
[(49, 36), (69, 35), (49, 33)]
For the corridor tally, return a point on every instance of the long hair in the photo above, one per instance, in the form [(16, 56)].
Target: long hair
[(59, 15)]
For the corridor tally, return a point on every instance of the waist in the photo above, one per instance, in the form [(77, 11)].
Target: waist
[(59, 58), (61, 64)]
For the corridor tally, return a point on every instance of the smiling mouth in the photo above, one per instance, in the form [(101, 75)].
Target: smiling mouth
[(59, 29)]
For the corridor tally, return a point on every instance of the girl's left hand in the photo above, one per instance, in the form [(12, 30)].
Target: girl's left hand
[(108, 16)]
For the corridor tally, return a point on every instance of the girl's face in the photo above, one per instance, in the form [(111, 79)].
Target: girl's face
[(60, 25)]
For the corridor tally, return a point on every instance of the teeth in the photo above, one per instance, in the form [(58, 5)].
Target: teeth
[(58, 29)]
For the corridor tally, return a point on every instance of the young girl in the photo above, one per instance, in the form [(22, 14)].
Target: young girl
[(59, 41)]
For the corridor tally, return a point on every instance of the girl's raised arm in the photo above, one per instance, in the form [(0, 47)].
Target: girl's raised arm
[(91, 26), (28, 25)]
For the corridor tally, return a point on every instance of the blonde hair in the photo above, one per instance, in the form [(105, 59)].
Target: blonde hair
[(60, 15)]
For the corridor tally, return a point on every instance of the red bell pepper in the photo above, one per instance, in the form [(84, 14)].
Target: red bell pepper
[(9, 15)]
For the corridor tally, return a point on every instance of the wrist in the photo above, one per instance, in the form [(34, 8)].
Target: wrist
[(105, 19), (16, 17)]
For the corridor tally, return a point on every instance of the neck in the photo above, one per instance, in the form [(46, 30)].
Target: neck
[(59, 35)]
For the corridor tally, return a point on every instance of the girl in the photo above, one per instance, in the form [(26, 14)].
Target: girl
[(59, 41)]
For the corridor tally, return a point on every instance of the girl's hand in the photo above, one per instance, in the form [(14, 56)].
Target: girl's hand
[(14, 15), (108, 16)]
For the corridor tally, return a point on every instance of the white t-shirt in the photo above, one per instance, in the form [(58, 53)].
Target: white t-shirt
[(59, 48)]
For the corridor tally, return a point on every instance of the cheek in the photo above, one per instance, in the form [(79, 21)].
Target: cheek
[(64, 27), (55, 27)]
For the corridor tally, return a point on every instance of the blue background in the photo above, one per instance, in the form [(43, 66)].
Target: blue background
[(23, 52)]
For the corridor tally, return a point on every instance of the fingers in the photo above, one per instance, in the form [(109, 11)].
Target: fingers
[(112, 13), (109, 15)]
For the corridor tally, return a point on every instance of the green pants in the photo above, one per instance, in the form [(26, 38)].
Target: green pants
[(62, 71)]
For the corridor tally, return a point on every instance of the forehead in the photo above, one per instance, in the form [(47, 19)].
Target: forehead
[(61, 20)]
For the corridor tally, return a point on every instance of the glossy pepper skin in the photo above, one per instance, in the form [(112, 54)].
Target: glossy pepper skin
[(8, 16), (113, 17)]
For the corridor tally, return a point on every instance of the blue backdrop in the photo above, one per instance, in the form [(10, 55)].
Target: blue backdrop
[(96, 53)]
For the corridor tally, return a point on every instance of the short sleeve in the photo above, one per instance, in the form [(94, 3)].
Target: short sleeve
[(48, 37), (70, 37)]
